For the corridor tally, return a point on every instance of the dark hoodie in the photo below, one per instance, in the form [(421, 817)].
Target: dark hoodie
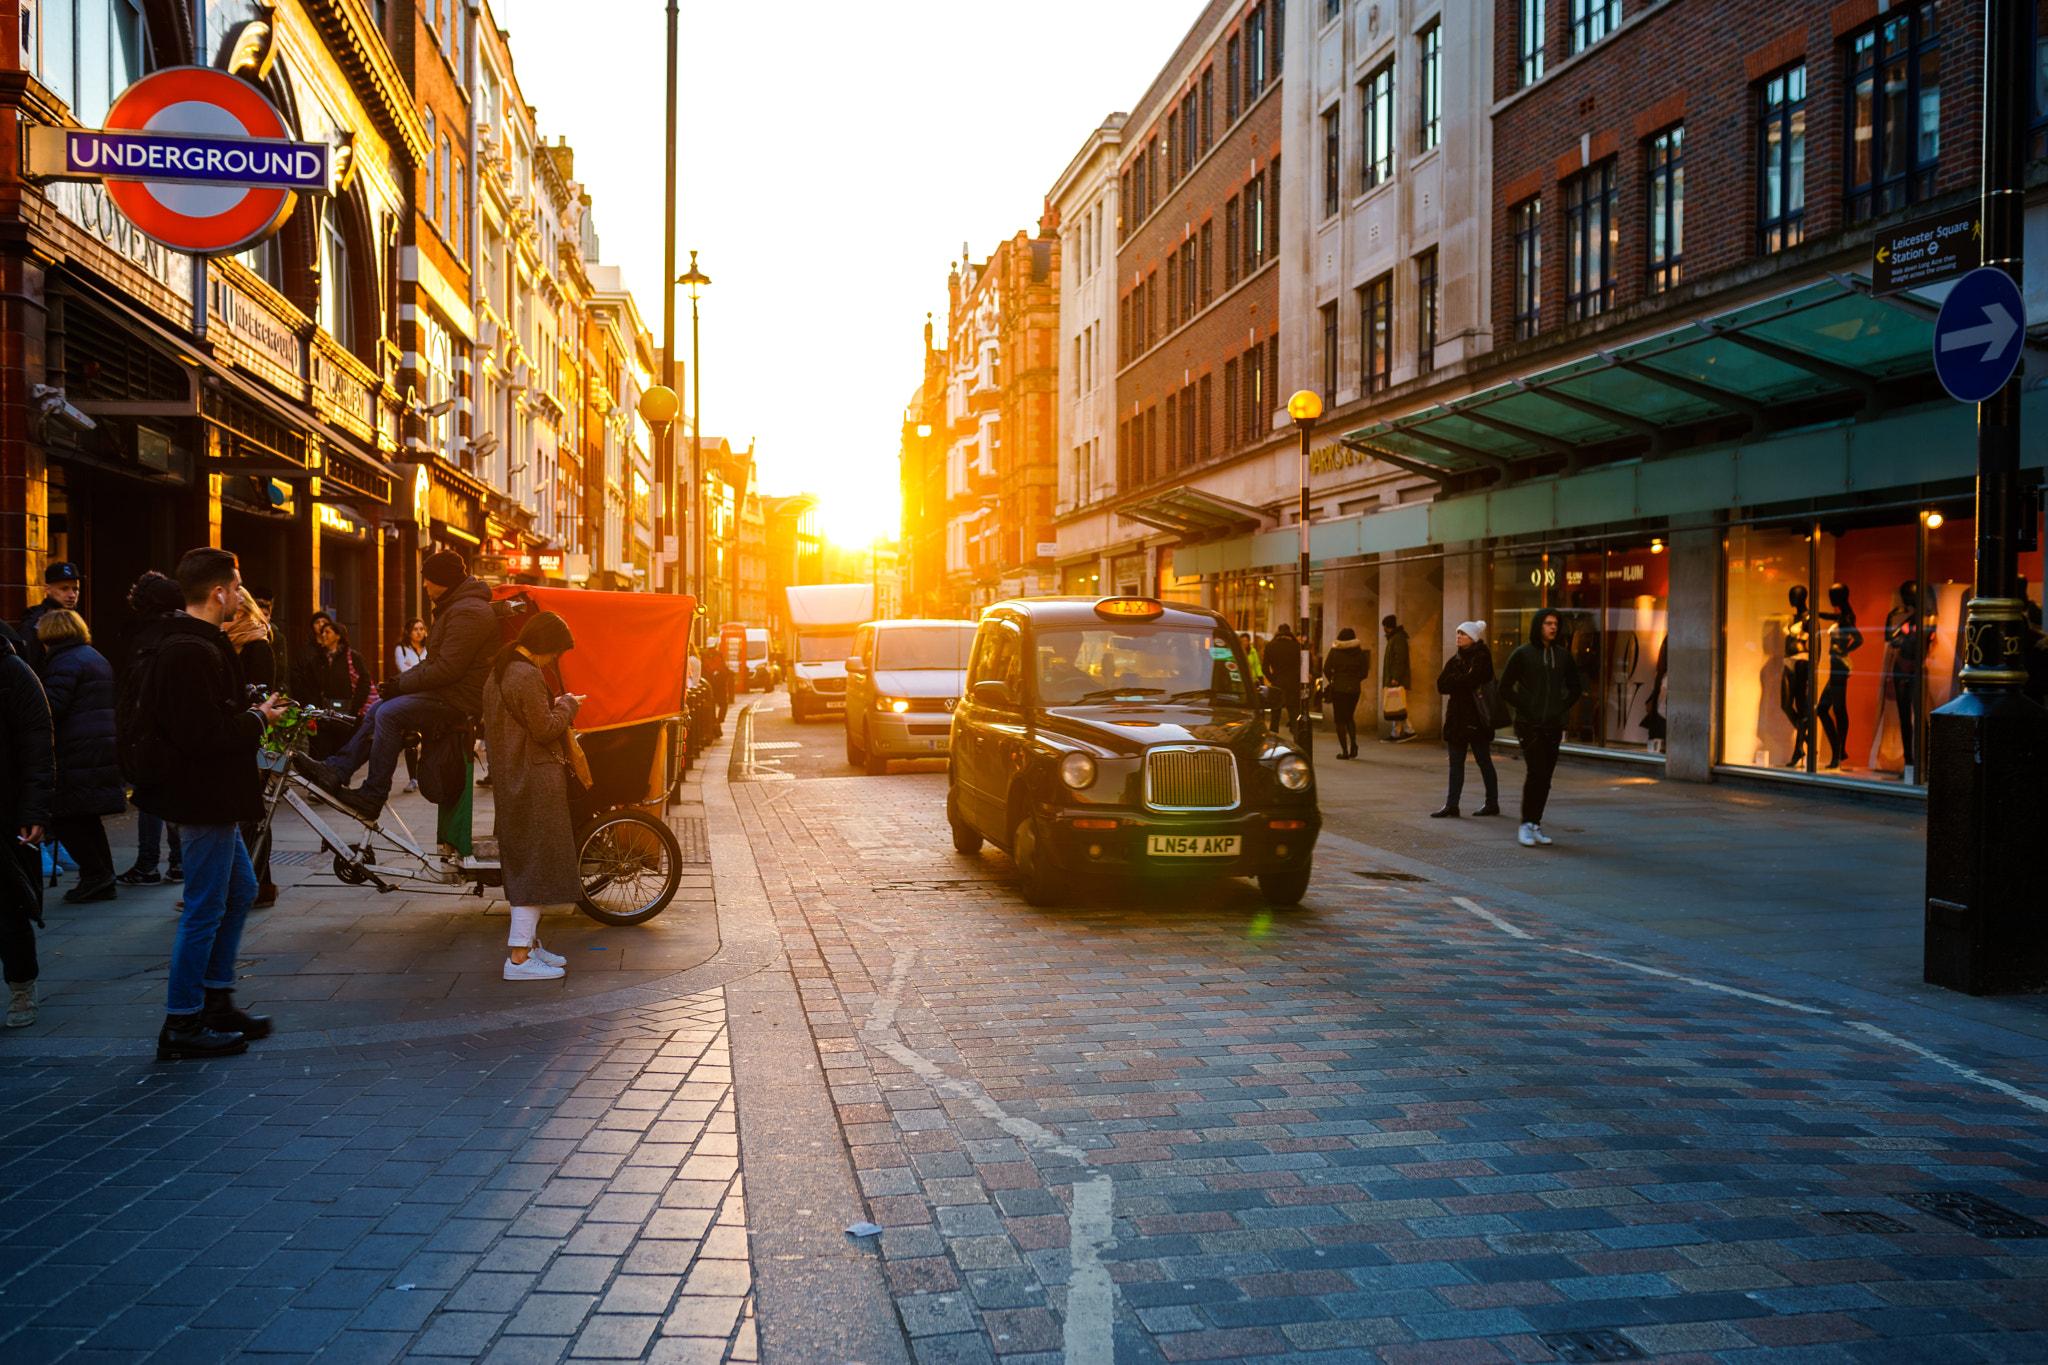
[(200, 725), (461, 643), (1541, 682)]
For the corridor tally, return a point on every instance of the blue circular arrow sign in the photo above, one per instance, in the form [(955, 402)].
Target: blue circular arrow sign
[(1979, 335)]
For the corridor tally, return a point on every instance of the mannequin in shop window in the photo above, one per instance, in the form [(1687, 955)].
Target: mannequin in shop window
[(1907, 636), (1795, 684), (1843, 640)]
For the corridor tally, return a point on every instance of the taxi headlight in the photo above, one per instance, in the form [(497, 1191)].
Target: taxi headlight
[(1293, 772), (1077, 771), (897, 704)]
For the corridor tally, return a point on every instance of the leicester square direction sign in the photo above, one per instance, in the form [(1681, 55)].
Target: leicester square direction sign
[(194, 157), (1926, 251)]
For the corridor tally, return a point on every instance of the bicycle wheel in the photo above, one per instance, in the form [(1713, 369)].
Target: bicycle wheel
[(630, 865)]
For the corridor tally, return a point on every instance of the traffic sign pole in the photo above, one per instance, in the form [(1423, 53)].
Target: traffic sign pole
[(1987, 796)]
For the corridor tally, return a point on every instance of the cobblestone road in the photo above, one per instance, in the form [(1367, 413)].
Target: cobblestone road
[(1395, 1125)]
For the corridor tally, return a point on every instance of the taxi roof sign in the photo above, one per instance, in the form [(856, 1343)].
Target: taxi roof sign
[(1130, 609)]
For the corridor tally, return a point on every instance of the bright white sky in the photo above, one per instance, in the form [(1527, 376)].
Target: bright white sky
[(833, 158)]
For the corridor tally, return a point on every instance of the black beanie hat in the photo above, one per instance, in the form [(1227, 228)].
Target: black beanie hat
[(444, 569), (546, 633)]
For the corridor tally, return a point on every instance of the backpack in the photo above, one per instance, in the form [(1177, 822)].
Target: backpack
[(141, 750)]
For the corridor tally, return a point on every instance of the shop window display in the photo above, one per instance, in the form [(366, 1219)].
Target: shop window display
[(1613, 602)]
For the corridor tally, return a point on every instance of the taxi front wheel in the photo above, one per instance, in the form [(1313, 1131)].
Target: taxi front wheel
[(1286, 886), (1038, 881)]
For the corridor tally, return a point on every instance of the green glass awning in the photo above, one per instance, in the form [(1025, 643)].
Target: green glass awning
[(1826, 340)]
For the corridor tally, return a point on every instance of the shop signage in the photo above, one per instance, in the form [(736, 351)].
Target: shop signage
[(93, 211), (1330, 458), (1979, 334), (196, 158), (266, 336), (1926, 251)]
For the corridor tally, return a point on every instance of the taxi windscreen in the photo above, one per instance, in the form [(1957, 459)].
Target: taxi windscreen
[(1137, 663)]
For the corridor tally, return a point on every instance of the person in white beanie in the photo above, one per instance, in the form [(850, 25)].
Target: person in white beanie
[(1469, 716)]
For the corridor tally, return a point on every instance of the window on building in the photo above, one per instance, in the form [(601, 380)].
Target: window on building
[(1208, 117), (1530, 36), (1329, 395), (1233, 248), (1172, 290), (1331, 9), (1233, 78), (1333, 160), (1589, 242), (1376, 128), (1375, 334), (1188, 426), (1254, 225), (1205, 436), (1143, 207), (1593, 20), (1151, 443), (1255, 55), (1894, 117), (433, 167), (90, 51), (1273, 206), (1123, 330), (1188, 302), (2037, 141), (458, 193), (1123, 231), (1428, 309), (1526, 222), (1254, 379), (1432, 81), (1230, 404), (1781, 161), (1204, 263), (444, 172), (1667, 208), (337, 312), (1169, 441), (1187, 133), (1149, 329)]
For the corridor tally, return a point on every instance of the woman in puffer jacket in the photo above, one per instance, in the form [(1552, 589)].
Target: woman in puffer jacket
[(80, 684)]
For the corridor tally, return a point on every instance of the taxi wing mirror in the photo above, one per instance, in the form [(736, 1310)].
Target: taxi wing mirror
[(994, 692)]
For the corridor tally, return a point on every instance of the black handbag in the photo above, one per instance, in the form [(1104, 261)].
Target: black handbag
[(1486, 708), (444, 763)]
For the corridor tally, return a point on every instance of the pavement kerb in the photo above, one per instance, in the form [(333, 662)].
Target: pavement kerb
[(820, 1296), (744, 948), (1928, 1021)]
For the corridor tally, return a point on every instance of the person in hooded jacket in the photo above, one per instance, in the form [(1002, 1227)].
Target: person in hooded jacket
[(1283, 672), (1467, 719), (1345, 669), (80, 685), (28, 782), (446, 688), (1540, 685), (1394, 673), (154, 596)]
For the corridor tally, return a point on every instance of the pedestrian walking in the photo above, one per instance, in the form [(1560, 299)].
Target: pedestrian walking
[(527, 728), (62, 584), (154, 596), (720, 678), (28, 782), (1345, 669), (1540, 684), (1283, 673), (445, 688), (189, 740), (250, 633), (1394, 682), (1470, 716), (1251, 654), (79, 683), (411, 652)]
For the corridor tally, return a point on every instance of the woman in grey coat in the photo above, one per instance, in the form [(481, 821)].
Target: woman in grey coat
[(527, 728)]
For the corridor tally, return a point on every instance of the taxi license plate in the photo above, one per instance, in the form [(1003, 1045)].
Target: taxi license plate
[(936, 745), (1191, 845)]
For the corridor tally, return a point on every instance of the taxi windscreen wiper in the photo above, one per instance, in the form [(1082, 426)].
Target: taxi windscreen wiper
[(1108, 693), (1212, 693)]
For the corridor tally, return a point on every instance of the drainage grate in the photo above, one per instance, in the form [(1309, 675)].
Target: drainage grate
[(1863, 1220), (694, 837), (1974, 1213), (1595, 1344), (956, 885), (298, 857), (1387, 876)]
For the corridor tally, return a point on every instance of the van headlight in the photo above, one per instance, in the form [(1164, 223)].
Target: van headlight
[(1078, 771), (1293, 772), (897, 704)]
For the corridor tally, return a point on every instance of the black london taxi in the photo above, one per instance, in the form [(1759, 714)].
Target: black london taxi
[(1123, 735)]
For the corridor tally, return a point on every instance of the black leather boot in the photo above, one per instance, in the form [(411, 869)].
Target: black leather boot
[(221, 1016), (1449, 812), (1490, 808), (184, 1037)]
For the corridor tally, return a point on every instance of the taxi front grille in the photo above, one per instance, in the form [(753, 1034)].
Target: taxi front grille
[(1190, 779)]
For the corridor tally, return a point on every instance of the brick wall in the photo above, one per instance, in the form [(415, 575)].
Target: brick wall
[(1701, 64)]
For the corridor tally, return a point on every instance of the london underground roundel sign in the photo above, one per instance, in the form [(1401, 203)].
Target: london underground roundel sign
[(208, 168)]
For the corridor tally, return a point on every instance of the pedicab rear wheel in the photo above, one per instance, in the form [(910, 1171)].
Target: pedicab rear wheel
[(630, 865)]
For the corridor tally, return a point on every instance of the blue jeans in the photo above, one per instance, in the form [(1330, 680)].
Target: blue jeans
[(149, 837), (220, 886), (381, 738)]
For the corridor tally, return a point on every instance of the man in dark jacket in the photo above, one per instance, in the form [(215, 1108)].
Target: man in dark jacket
[(446, 686), (1394, 673), (28, 785), (1540, 685), (192, 754), (62, 582), (1282, 662)]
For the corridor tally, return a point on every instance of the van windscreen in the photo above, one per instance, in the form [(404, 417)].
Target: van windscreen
[(915, 647)]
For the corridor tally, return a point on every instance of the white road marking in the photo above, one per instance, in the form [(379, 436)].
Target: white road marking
[(2029, 1100), (1695, 981), (1088, 1335), (1495, 920), (777, 744)]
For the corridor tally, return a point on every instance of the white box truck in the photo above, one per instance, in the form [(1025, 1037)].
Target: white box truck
[(822, 620)]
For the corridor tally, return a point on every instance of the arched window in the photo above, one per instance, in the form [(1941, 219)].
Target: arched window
[(88, 52), (337, 287)]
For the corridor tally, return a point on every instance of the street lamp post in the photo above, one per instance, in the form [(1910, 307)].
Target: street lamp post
[(665, 470), (696, 279), (1304, 408)]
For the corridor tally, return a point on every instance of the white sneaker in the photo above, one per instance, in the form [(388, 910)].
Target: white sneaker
[(1541, 837), (533, 969), (552, 959), (1526, 836)]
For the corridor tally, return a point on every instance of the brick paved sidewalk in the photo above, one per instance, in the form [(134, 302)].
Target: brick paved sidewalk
[(1397, 1124)]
